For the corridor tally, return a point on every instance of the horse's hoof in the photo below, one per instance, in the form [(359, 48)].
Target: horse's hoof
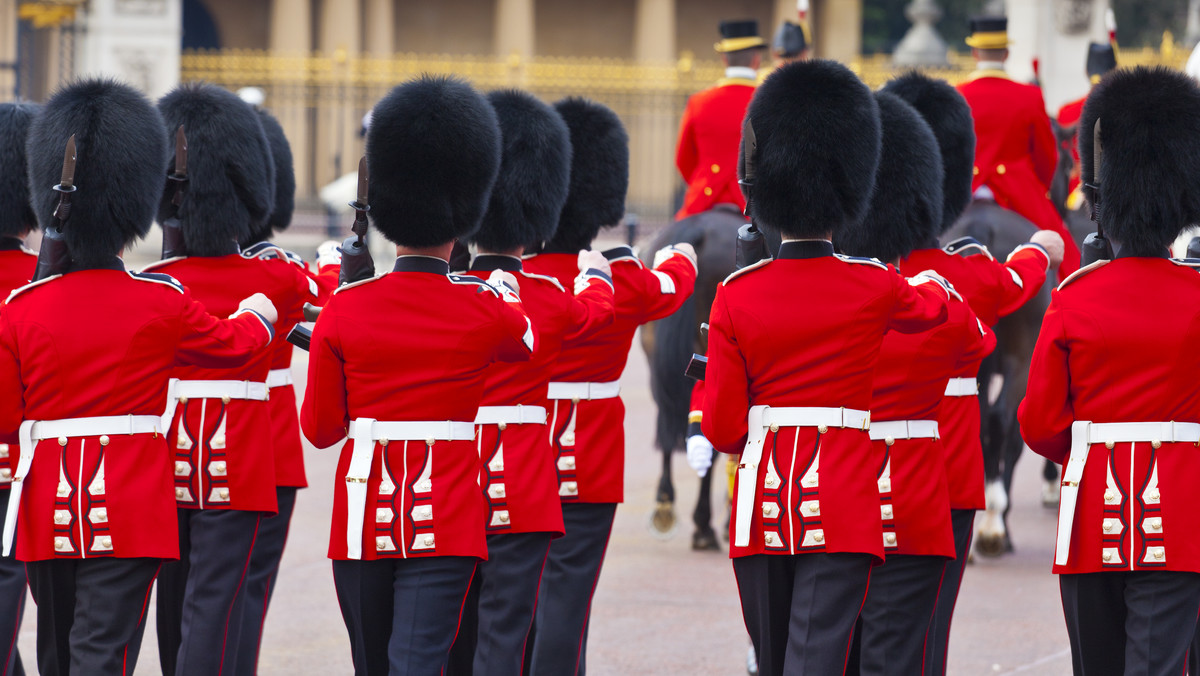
[(662, 524), (705, 541), (991, 545), (1050, 494), (751, 662)]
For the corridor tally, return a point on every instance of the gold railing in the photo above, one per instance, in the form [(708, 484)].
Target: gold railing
[(320, 98)]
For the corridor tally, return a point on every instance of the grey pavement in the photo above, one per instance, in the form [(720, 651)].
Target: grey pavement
[(661, 608)]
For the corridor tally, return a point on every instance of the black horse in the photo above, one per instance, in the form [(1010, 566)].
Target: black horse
[(669, 344)]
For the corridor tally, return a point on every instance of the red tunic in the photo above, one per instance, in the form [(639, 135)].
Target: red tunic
[(770, 345), (993, 290), (16, 269), (910, 383), (519, 479), (591, 457), (224, 452), (1015, 152), (1068, 117), (412, 344), (709, 135), (1118, 344), (103, 343)]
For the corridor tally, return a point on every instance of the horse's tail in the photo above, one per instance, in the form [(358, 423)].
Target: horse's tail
[(674, 339)]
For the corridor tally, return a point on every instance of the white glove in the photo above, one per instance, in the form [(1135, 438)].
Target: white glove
[(504, 282), (329, 253), (668, 251), (594, 260), (260, 304), (699, 454), (1052, 242)]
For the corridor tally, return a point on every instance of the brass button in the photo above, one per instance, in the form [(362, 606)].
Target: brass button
[(106, 542), (102, 515), (224, 493), (887, 511), (1108, 526), (179, 493), (1000, 169), (1107, 557), (428, 540), (770, 539), (59, 517), (890, 538), (1154, 495), (574, 400), (1159, 553), (103, 439), (818, 537), (774, 427), (708, 191), (383, 442), (885, 485), (1156, 444), (974, 171), (822, 429), (771, 481), (381, 543), (889, 440), (429, 441), (1109, 445), (183, 400), (5, 473), (1108, 496), (503, 426), (768, 510), (572, 488), (1156, 524), (813, 507), (220, 467), (60, 543), (225, 399), (180, 467), (715, 168), (62, 441), (570, 463), (504, 518)]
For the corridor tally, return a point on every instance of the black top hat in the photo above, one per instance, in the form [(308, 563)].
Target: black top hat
[(789, 40), (1100, 60), (988, 32), (739, 35)]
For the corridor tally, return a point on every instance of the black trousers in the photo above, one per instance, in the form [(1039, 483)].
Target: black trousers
[(937, 639), (1131, 623), (91, 613), (897, 613), (402, 614), (800, 610), (260, 579), (12, 603), (564, 601), (199, 616)]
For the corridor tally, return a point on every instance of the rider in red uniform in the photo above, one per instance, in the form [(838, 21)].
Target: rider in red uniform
[(1100, 60)]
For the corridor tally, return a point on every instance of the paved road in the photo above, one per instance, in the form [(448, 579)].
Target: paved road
[(661, 608)]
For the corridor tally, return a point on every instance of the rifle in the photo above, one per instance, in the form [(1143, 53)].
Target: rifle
[(1095, 246), (177, 181), (53, 256), (357, 263)]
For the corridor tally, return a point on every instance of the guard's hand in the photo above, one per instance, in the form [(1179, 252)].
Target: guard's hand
[(504, 282), (262, 305), (594, 260), (1052, 242), (699, 454), (668, 251), (329, 253)]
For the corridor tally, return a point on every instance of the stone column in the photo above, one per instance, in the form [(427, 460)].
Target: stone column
[(654, 30), (380, 28), (1057, 35), (651, 125), (290, 42), (137, 43), (338, 146), (8, 47), (837, 29), (514, 32), (291, 25), (921, 45)]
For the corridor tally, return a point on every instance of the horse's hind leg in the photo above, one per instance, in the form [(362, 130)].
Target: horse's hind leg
[(1050, 477), (990, 540), (704, 538), (662, 519)]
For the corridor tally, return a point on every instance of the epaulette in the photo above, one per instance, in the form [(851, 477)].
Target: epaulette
[(158, 264), (621, 253), (260, 249), (1193, 263), (472, 280), (861, 260), (22, 289), (544, 278), (966, 246), (358, 283), (737, 273), (1083, 271), (158, 278)]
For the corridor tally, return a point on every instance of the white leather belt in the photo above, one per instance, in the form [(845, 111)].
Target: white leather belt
[(962, 387), (582, 391), (763, 418), (511, 415), (182, 390), (364, 432), (1084, 433), (279, 378), (904, 429), (32, 431)]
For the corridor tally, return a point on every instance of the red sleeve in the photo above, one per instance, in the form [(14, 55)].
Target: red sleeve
[(207, 341), (1046, 413), (919, 303), (12, 390), (515, 336), (686, 154), (978, 341), (1043, 146), (325, 413), (726, 398), (592, 307), (1020, 278), (662, 290), (327, 280)]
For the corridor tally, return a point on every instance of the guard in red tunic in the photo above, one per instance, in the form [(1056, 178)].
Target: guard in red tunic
[(1100, 60), (16, 269), (706, 154), (910, 380), (1112, 388), (1015, 152), (285, 423), (519, 479), (85, 359), (409, 518), (221, 436), (586, 413), (992, 289), (792, 350)]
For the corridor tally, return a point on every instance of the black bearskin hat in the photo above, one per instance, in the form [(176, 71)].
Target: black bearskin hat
[(535, 171), (599, 174), (231, 175), (816, 127), (285, 179), (1150, 162), (949, 115), (433, 151), (120, 151), (16, 214), (906, 207)]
